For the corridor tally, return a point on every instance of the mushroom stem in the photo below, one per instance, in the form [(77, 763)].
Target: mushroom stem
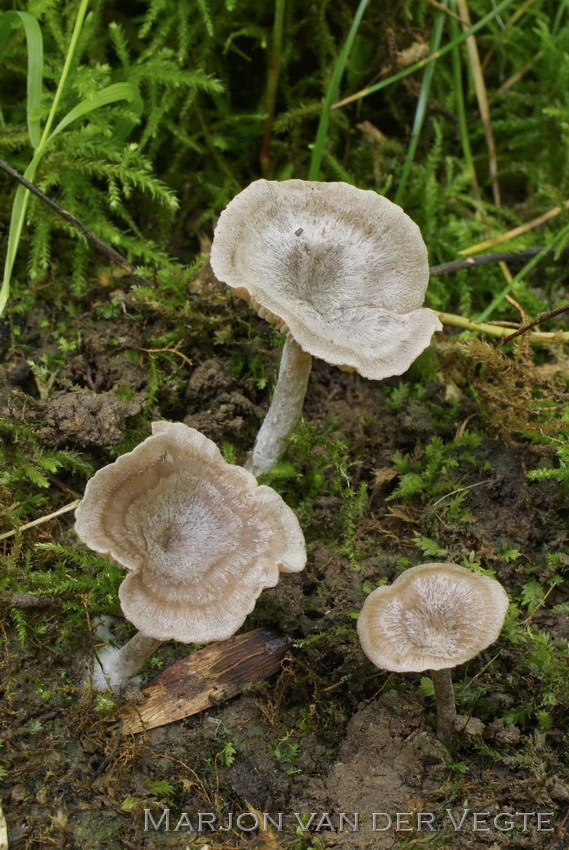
[(446, 706), (114, 667), (285, 409)]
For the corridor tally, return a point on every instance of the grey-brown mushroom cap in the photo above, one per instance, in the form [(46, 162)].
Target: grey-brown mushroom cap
[(432, 617), (344, 269), (199, 537)]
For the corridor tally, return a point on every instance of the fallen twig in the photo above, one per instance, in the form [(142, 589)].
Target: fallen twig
[(510, 257), (28, 600), (101, 246), (543, 317), (559, 842), (107, 760)]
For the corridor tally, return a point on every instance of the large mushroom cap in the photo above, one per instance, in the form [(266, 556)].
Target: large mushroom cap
[(199, 537), (344, 269), (432, 617)]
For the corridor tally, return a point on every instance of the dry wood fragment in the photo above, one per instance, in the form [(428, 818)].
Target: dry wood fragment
[(206, 678), (27, 600)]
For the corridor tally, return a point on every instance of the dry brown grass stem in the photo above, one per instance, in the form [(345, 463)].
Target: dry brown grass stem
[(71, 506), (482, 97), (516, 231)]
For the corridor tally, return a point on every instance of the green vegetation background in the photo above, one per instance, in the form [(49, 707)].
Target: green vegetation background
[(215, 94)]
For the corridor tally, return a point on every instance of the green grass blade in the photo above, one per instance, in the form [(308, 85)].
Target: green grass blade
[(17, 219), (422, 104), (34, 43), (111, 94), (118, 91), (35, 72), (461, 109), (322, 133), (421, 64), (522, 273), (81, 12)]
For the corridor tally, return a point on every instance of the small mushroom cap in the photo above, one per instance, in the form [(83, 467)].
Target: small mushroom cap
[(199, 537), (344, 269), (432, 617)]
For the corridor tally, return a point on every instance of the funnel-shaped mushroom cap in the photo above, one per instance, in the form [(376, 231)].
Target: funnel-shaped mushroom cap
[(199, 536), (432, 617), (344, 269)]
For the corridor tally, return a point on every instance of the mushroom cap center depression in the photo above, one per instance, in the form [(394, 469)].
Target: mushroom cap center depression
[(330, 246), (343, 269), (433, 615), (183, 526)]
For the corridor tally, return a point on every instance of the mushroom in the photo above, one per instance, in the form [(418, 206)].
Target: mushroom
[(342, 270), (433, 617), (199, 537)]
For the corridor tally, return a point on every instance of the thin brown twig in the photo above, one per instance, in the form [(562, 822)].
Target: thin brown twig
[(558, 842), (25, 601), (539, 605), (442, 8), (543, 317), (107, 760), (487, 259), (101, 246), (168, 351)]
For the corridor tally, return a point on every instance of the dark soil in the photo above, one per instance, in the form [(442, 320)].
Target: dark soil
[(330, 734)]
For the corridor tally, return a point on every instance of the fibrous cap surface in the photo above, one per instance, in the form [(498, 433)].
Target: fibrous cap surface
[(432, 617), (344, 269), (199, 537)]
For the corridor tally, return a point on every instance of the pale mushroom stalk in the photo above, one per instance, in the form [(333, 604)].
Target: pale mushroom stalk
[(446, 706), (115, 666), (433, 617), (285, 409), (343, 270)]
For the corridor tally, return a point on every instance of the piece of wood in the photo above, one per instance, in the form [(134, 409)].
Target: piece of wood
[(206, 678)]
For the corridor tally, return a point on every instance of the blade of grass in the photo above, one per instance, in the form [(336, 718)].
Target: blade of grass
[(516, 15), (421, 64), (22, 196), (515, 78), (497, 331), (522, 273), (110, 94), (482, 97), (34, 43), (484, 108), (322, 133), (461, 112), (422, 104), (82, 11), (272, 84), (516, 231), (118, 91), (563, 6)]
